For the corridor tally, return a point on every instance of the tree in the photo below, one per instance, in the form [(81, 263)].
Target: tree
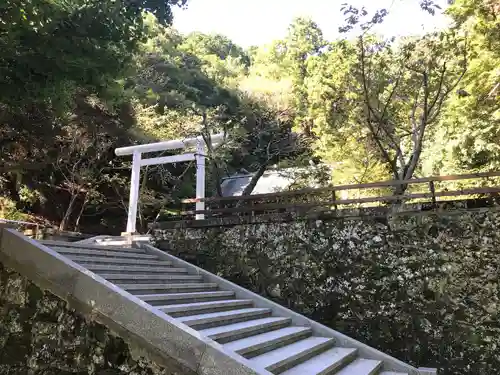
[(334, 103), (467, 136), (172, 77), (304, 40), (403, 94), (359, 16), (78, 181), (80, 169), (162, 9), (219, 45), (53, 48), (369, 109), (270, 140)]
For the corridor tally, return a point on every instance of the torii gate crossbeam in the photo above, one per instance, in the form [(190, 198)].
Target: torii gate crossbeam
[(138, 161)]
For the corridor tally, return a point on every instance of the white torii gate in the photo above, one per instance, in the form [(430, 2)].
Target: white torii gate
[(138, 162)]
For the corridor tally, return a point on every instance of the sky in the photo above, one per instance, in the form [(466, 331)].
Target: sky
[(256, 22)]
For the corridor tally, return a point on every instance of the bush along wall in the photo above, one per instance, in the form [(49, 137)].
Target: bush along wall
[(424, 288)]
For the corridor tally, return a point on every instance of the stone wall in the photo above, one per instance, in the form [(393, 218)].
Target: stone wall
[(423, 288), (41, 334)]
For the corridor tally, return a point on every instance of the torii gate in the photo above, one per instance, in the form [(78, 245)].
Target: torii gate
[(138, 162)]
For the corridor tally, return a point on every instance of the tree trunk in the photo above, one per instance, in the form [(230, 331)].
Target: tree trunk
[(217, 179), (77, 223), (67, 214), (253, 182), (400, 189), (161, 12), (12, 185)]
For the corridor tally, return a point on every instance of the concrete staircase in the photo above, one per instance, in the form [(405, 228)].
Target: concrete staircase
[(271, 339)]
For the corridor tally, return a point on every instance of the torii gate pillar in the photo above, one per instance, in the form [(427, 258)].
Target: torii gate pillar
[(138, 162)]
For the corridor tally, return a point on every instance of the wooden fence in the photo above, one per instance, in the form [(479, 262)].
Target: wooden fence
[(325, 199)]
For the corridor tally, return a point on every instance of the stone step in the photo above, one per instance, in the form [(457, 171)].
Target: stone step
[(265, 342), (250, 339), (133, 269), (325, 363), (75, 245), (173, 298), (132, 278), (153, 289), (236, 331), (203, 321), (80, 250), (86, 260), (197, 308), (102, 253), (286, 357), (362, 367)]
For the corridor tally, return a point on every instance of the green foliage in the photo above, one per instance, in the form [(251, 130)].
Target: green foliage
[(467, 139), (162, 9), (115, 73), (9, 211), (304, 41), (52, 48), (174, 77), (42, 332), (335, 99), (219, 45), (30, 196), (79, 78)]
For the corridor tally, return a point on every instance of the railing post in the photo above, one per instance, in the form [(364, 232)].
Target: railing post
[(334, 199), (200, 178), (134, 192), (432, 188)]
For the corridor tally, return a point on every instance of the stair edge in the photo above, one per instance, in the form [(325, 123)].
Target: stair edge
[(365, 351)]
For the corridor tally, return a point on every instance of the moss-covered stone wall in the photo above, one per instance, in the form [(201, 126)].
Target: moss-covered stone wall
[(41, 335), (423, 288)]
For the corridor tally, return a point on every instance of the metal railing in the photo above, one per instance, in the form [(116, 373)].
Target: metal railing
[(325, 199)]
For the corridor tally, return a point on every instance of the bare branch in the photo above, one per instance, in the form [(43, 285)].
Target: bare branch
[(414, 109), (389, 99), (444, 96), (440, 85), (371, 111), (418, 132)]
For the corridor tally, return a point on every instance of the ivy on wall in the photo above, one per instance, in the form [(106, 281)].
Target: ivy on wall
[(40, 334), (424, 289)]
